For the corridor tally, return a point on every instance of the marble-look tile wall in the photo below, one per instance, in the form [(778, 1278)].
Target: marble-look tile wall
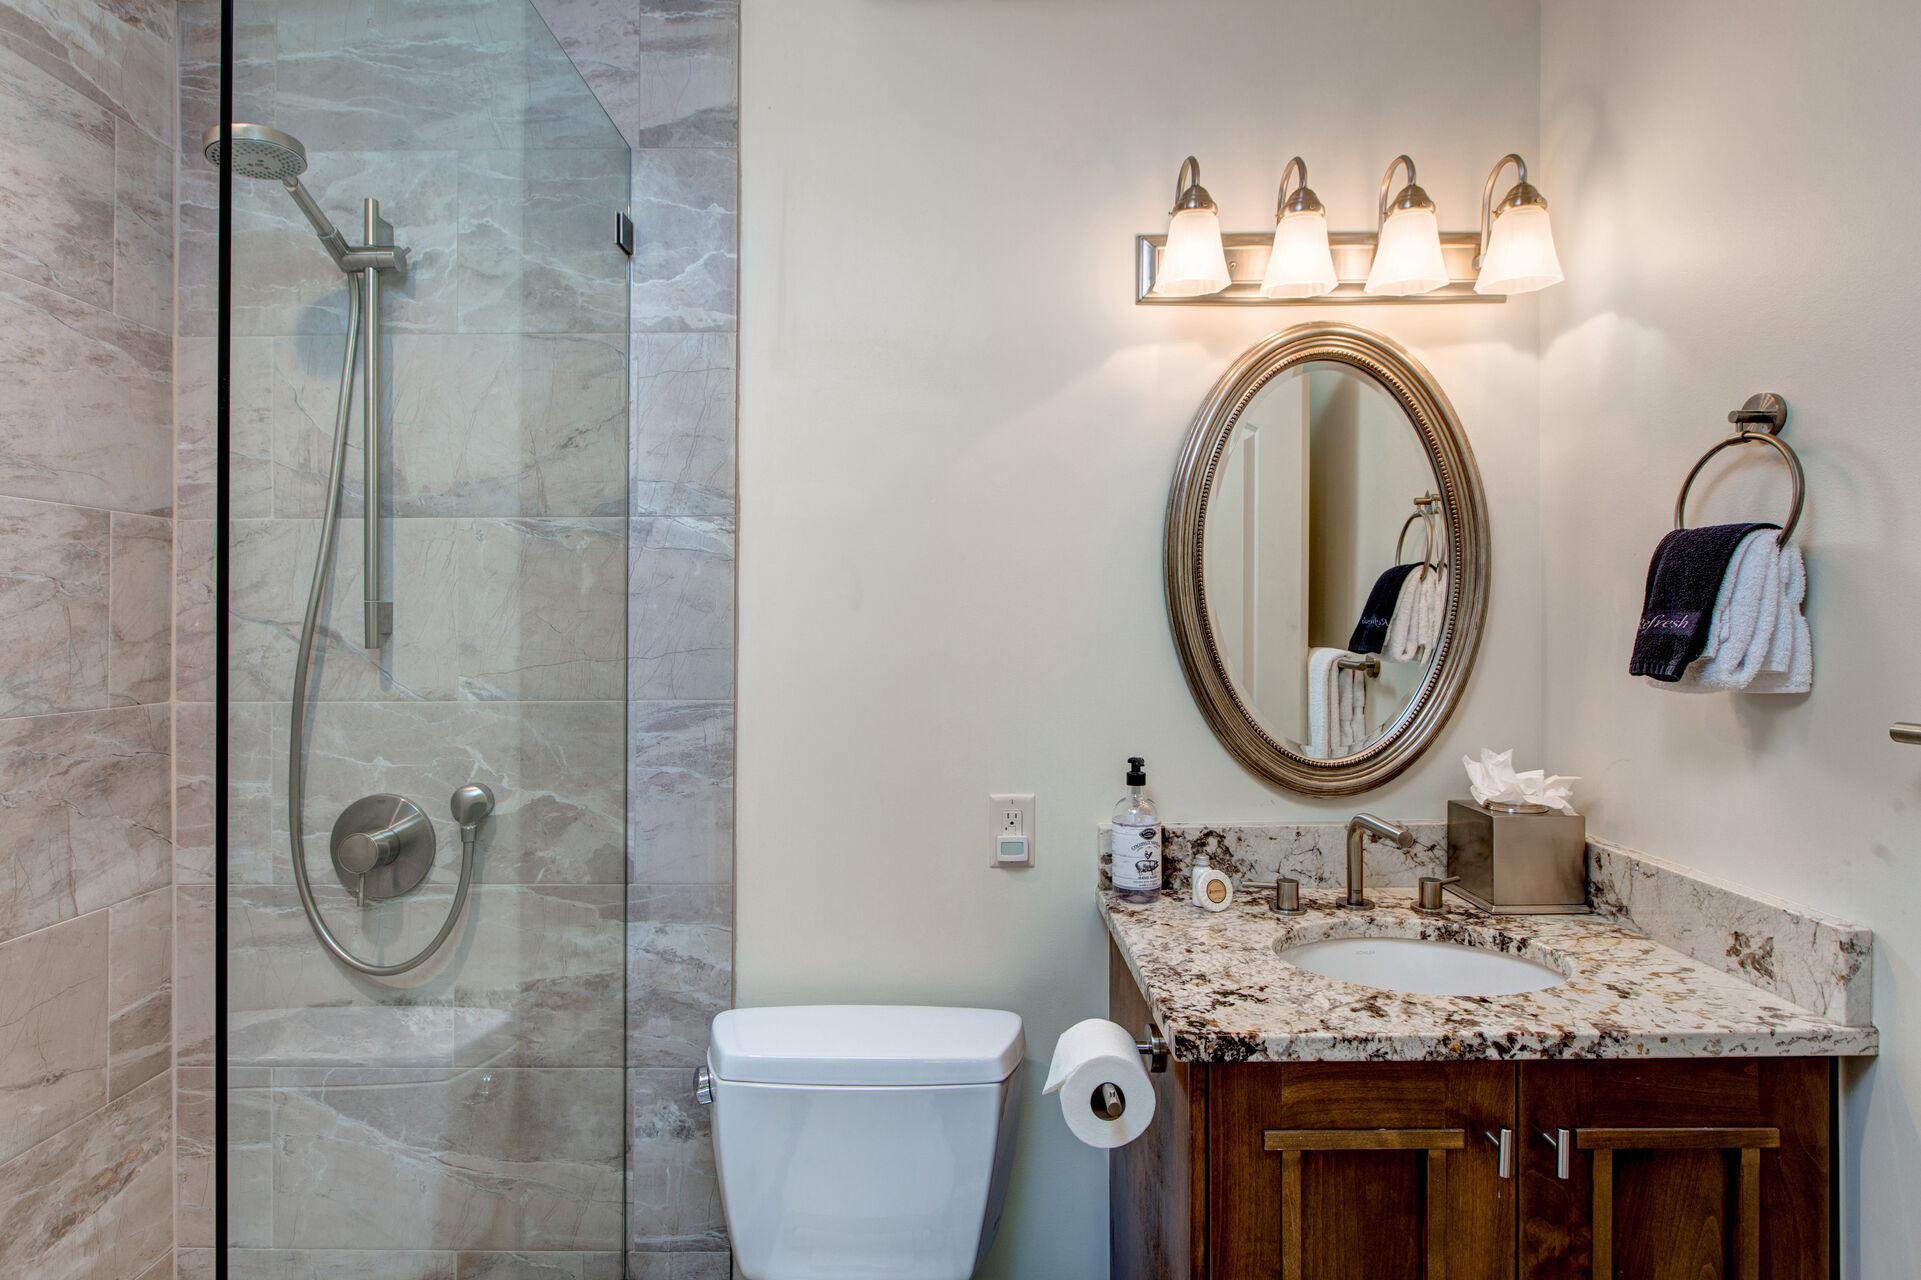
[(463, 1119), (666, 72), (86, 550)]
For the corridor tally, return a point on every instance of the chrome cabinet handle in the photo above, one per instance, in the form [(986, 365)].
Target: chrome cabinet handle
[(1562, 1140), (1908, 733), (1505, 1142)]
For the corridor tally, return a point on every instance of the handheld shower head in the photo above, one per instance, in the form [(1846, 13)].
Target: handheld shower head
[(258, 152), (261, 151)]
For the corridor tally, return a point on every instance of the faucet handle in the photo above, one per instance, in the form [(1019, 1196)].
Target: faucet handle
[(1429, 901)]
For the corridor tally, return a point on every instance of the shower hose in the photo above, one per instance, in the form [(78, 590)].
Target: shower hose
[(323, 564)]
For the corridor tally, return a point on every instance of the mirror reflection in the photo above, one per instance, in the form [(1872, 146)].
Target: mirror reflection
[(1324, 559)]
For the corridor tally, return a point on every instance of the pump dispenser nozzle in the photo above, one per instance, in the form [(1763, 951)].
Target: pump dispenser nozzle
[(1136, 771)]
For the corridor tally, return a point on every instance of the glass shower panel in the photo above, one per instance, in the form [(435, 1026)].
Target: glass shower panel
[(450, 1118)]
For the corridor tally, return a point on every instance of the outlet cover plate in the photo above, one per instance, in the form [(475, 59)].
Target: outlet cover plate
[(1004, 810)]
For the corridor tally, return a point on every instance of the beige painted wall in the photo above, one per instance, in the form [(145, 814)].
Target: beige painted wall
[(1730, 223), (957, 434)]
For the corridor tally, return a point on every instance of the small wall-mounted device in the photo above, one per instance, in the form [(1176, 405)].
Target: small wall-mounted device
[(1010, 822)]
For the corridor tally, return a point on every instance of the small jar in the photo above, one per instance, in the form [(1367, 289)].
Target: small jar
[(1212, 890)]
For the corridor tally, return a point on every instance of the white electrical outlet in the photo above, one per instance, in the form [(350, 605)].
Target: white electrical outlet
[(1010, 829)]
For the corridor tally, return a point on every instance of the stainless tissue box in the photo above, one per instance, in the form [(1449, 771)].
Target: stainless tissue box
[(1518, 860)]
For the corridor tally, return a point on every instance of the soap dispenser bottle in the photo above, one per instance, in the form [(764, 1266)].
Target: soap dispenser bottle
[(1137, 839)]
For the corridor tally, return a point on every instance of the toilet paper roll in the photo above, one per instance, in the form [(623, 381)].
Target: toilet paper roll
[(1089, 1055)]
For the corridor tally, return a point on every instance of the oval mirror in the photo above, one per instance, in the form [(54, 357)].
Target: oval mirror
[(1326, 559)]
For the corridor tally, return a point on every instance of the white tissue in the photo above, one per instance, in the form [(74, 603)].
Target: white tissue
[(1492, 780), (1088, 1055)]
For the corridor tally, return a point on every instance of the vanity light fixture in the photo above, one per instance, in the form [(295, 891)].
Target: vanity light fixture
[(1301, 265), (1407, 255), (1193, 265), (1517, 243)]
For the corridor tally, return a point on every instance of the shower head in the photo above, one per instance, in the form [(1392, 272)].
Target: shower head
[(259, 152)]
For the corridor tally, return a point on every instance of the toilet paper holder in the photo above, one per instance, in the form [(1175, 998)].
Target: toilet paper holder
[(1108, 1102), (1153, 1046)]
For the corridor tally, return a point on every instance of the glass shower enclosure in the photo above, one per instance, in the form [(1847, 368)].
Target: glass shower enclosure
[(423, 562)]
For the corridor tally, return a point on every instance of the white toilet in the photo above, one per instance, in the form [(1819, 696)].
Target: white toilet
[(863, 1140)]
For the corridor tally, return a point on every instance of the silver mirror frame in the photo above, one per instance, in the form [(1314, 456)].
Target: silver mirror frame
[(1459, 484)]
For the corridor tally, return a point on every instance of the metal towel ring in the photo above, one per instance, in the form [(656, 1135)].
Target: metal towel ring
[(1425, 510), (1769, 413), (1427, 552)]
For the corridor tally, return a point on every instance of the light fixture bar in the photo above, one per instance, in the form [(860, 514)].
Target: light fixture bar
[(1248, 251)]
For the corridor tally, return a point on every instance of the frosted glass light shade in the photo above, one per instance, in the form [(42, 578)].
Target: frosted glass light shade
[(1408, 258), (1520, 253), (1301, 265), (1193, 264)]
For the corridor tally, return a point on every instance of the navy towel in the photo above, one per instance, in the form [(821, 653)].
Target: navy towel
[(1683, 580), (1370, 633)]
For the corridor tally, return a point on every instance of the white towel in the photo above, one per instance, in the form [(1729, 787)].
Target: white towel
[(1351, 691), (1433, 611), (1323, 704), (1758, 639), (1336, 705), (1405, 632), (1790, 663)]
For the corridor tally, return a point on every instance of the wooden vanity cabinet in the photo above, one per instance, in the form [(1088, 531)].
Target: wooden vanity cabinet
[(1695, 1168)]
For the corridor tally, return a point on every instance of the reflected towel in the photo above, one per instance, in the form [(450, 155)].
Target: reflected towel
[(1405, 632), (1416, 629), (1370, 633), (1323, 703), (1351, 694)]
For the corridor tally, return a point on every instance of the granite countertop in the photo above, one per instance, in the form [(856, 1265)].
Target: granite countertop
[(1220, 993)]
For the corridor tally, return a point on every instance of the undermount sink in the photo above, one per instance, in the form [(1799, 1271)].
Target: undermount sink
[(1422, 967)]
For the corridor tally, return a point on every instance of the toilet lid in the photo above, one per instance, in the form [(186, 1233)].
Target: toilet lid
[(868, 1044)]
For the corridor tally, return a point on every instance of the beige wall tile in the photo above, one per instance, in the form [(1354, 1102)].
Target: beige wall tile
[(508, 1158), (88, 411), (193, 639), (56, 184), (140, 609), (142, 229), (139, 989), (193, 792), (119, 52), (193, 975), (88, 799), (53, 1030), (95, 1199), (53, 607)]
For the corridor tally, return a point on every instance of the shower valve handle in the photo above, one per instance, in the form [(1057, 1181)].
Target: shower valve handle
[(362, 851)]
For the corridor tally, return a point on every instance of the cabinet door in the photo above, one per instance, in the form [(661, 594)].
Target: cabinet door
[(1334, 1171), (1695, 1169)]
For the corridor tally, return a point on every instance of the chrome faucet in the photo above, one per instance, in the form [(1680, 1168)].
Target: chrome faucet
[(1359, 828)]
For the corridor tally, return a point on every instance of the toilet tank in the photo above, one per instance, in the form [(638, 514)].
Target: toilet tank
[(863, 1140)]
